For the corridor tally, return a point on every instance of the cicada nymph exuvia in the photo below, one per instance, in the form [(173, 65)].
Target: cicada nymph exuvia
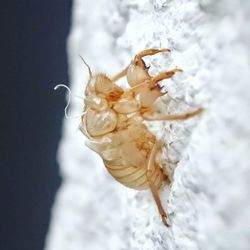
[(114, 118)]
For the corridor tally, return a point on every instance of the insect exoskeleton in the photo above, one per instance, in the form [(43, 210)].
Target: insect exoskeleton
[(113, 122)]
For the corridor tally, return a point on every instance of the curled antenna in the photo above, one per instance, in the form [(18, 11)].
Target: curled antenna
[(68, 103), (90, 72)]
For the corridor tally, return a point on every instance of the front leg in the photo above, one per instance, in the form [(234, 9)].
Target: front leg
[(149, 52), (149, 90), (162, 76), (137, 71), (150, 116)]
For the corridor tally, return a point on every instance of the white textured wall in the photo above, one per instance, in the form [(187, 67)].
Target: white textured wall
[(209, 200)]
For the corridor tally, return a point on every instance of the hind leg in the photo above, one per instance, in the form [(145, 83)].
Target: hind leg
[(152, 186)]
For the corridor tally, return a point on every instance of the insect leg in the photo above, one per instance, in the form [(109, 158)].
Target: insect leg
[(150, 52), (138, 60), (162, 76), (152, 186), (162, 117), (120, 74), (149, 90)]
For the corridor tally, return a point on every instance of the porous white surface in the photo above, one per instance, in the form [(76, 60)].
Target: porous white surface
[(209, 199)]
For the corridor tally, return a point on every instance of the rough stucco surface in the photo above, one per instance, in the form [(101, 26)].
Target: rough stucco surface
[(209, 199)]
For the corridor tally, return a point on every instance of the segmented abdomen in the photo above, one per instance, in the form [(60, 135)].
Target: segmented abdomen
[(136, 177)]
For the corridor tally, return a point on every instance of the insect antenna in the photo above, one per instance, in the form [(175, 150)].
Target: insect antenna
[(90, 72), (68, 103)]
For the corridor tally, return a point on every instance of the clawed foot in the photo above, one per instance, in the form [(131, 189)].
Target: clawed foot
[(150, 52), (164, 219), (154, 82)]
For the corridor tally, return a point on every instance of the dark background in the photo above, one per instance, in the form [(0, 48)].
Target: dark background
[(33, 61)]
